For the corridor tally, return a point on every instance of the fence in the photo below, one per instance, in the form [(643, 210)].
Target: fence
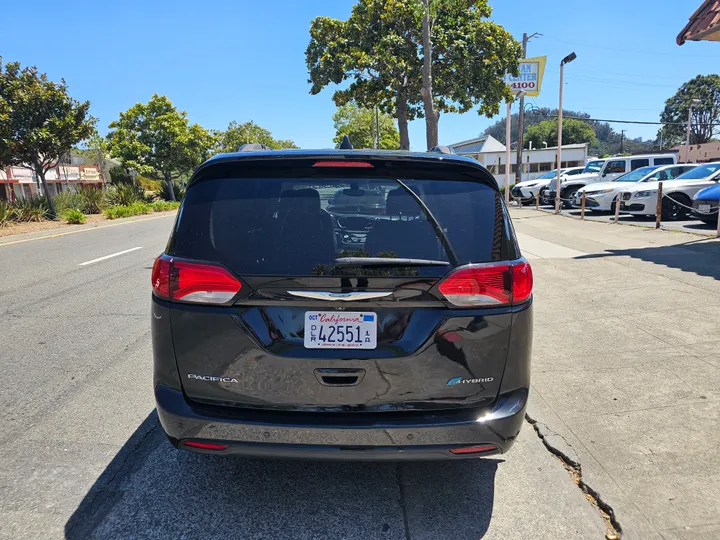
[(713, 210)]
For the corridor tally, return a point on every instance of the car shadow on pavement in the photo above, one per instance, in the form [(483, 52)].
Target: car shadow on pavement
[(152, 490), (701, 257)]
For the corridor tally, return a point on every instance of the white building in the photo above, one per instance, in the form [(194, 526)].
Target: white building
[(491, 153)]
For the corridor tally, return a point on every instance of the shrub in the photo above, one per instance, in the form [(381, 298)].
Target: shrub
[(149, 184), (67, 200), (6, 213), (74, 217), (121, 211), (164, 206), (92, 199), (123, 195)]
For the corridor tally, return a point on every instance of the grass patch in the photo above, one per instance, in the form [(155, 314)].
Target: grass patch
[(164, 206), (129, 210)]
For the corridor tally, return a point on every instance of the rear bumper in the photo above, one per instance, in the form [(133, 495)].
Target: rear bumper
[(353, 436)]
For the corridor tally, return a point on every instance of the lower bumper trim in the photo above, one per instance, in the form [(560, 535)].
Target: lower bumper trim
[(371, 438)]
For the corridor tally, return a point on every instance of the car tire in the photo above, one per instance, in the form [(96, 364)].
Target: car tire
[(672, 211), (569, 194)]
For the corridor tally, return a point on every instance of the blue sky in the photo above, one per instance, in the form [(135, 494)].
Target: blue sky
[(244, 60)]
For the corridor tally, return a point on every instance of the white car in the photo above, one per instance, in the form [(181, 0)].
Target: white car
[(527, 190), (607, 170), (641, 199), (602, 196)]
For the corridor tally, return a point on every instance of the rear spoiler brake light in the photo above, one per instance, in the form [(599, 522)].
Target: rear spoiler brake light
[(356, 164)]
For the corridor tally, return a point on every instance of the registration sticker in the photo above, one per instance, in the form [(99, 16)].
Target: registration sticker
[(340, 330)]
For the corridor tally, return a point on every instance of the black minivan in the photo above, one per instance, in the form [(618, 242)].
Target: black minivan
[(342, 304)]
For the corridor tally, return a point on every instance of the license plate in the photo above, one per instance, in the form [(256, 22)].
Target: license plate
[(704, 208), (340, 330)]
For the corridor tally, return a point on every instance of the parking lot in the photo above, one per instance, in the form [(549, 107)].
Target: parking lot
[(624, 414)]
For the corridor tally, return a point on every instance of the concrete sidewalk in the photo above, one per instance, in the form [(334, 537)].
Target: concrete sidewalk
[(626, 367)]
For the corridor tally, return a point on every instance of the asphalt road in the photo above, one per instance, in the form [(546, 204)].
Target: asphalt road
[(83, 456)]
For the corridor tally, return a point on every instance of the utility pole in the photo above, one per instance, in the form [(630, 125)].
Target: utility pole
[(622, 139), (521, 117)]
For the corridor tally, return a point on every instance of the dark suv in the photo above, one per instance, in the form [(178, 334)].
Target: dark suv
[(274, 337)]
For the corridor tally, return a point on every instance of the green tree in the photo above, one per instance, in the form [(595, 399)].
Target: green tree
[(705, 115), (376, 49), (574, 132), (95, 151), (39, 121), (246, 133), (455, 65), (464, 58), (154, 138), (359, 124)]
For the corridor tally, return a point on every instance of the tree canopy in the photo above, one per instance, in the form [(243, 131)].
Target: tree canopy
[(359, 125), (249, 132), (379, 50), (155, 138), (574, 132), (705, 121), (39, 121)]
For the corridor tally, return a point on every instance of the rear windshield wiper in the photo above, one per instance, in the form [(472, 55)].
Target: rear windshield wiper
[(385, 262), (449, 251)]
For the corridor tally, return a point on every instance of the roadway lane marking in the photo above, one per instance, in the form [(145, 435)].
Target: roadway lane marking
[(110, 256), (57, 235)]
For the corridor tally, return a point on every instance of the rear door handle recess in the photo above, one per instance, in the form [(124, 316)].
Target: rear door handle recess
[(339, 376)]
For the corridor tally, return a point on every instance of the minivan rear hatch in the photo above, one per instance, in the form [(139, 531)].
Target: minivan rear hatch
[(325, 283)]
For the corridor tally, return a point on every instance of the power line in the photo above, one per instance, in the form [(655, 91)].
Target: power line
[(630, 121), (636, 51)]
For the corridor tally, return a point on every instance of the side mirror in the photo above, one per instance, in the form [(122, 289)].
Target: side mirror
[(604, 173)]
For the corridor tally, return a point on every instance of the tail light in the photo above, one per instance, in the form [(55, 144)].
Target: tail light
[(489, 285), (187, 281)]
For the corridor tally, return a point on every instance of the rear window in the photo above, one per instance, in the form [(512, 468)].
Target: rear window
[(297, 227), (664, 161)]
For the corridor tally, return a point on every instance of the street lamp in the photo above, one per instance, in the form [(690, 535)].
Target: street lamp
[(687, 135), (569, 58)]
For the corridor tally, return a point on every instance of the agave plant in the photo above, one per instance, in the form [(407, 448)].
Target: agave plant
[(32, 209), (123, 195), (6, 212), (92, 200)]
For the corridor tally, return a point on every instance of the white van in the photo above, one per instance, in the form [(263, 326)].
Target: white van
[(612, 168)]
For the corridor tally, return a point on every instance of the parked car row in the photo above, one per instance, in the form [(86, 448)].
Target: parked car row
[(602, 196), (603, 170), (689, 190), (527, 191)]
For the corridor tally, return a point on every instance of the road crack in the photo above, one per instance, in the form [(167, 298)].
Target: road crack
[(574, 469), (401, 501)]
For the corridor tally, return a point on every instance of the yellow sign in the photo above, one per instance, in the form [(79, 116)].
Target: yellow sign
[(530, 78)]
